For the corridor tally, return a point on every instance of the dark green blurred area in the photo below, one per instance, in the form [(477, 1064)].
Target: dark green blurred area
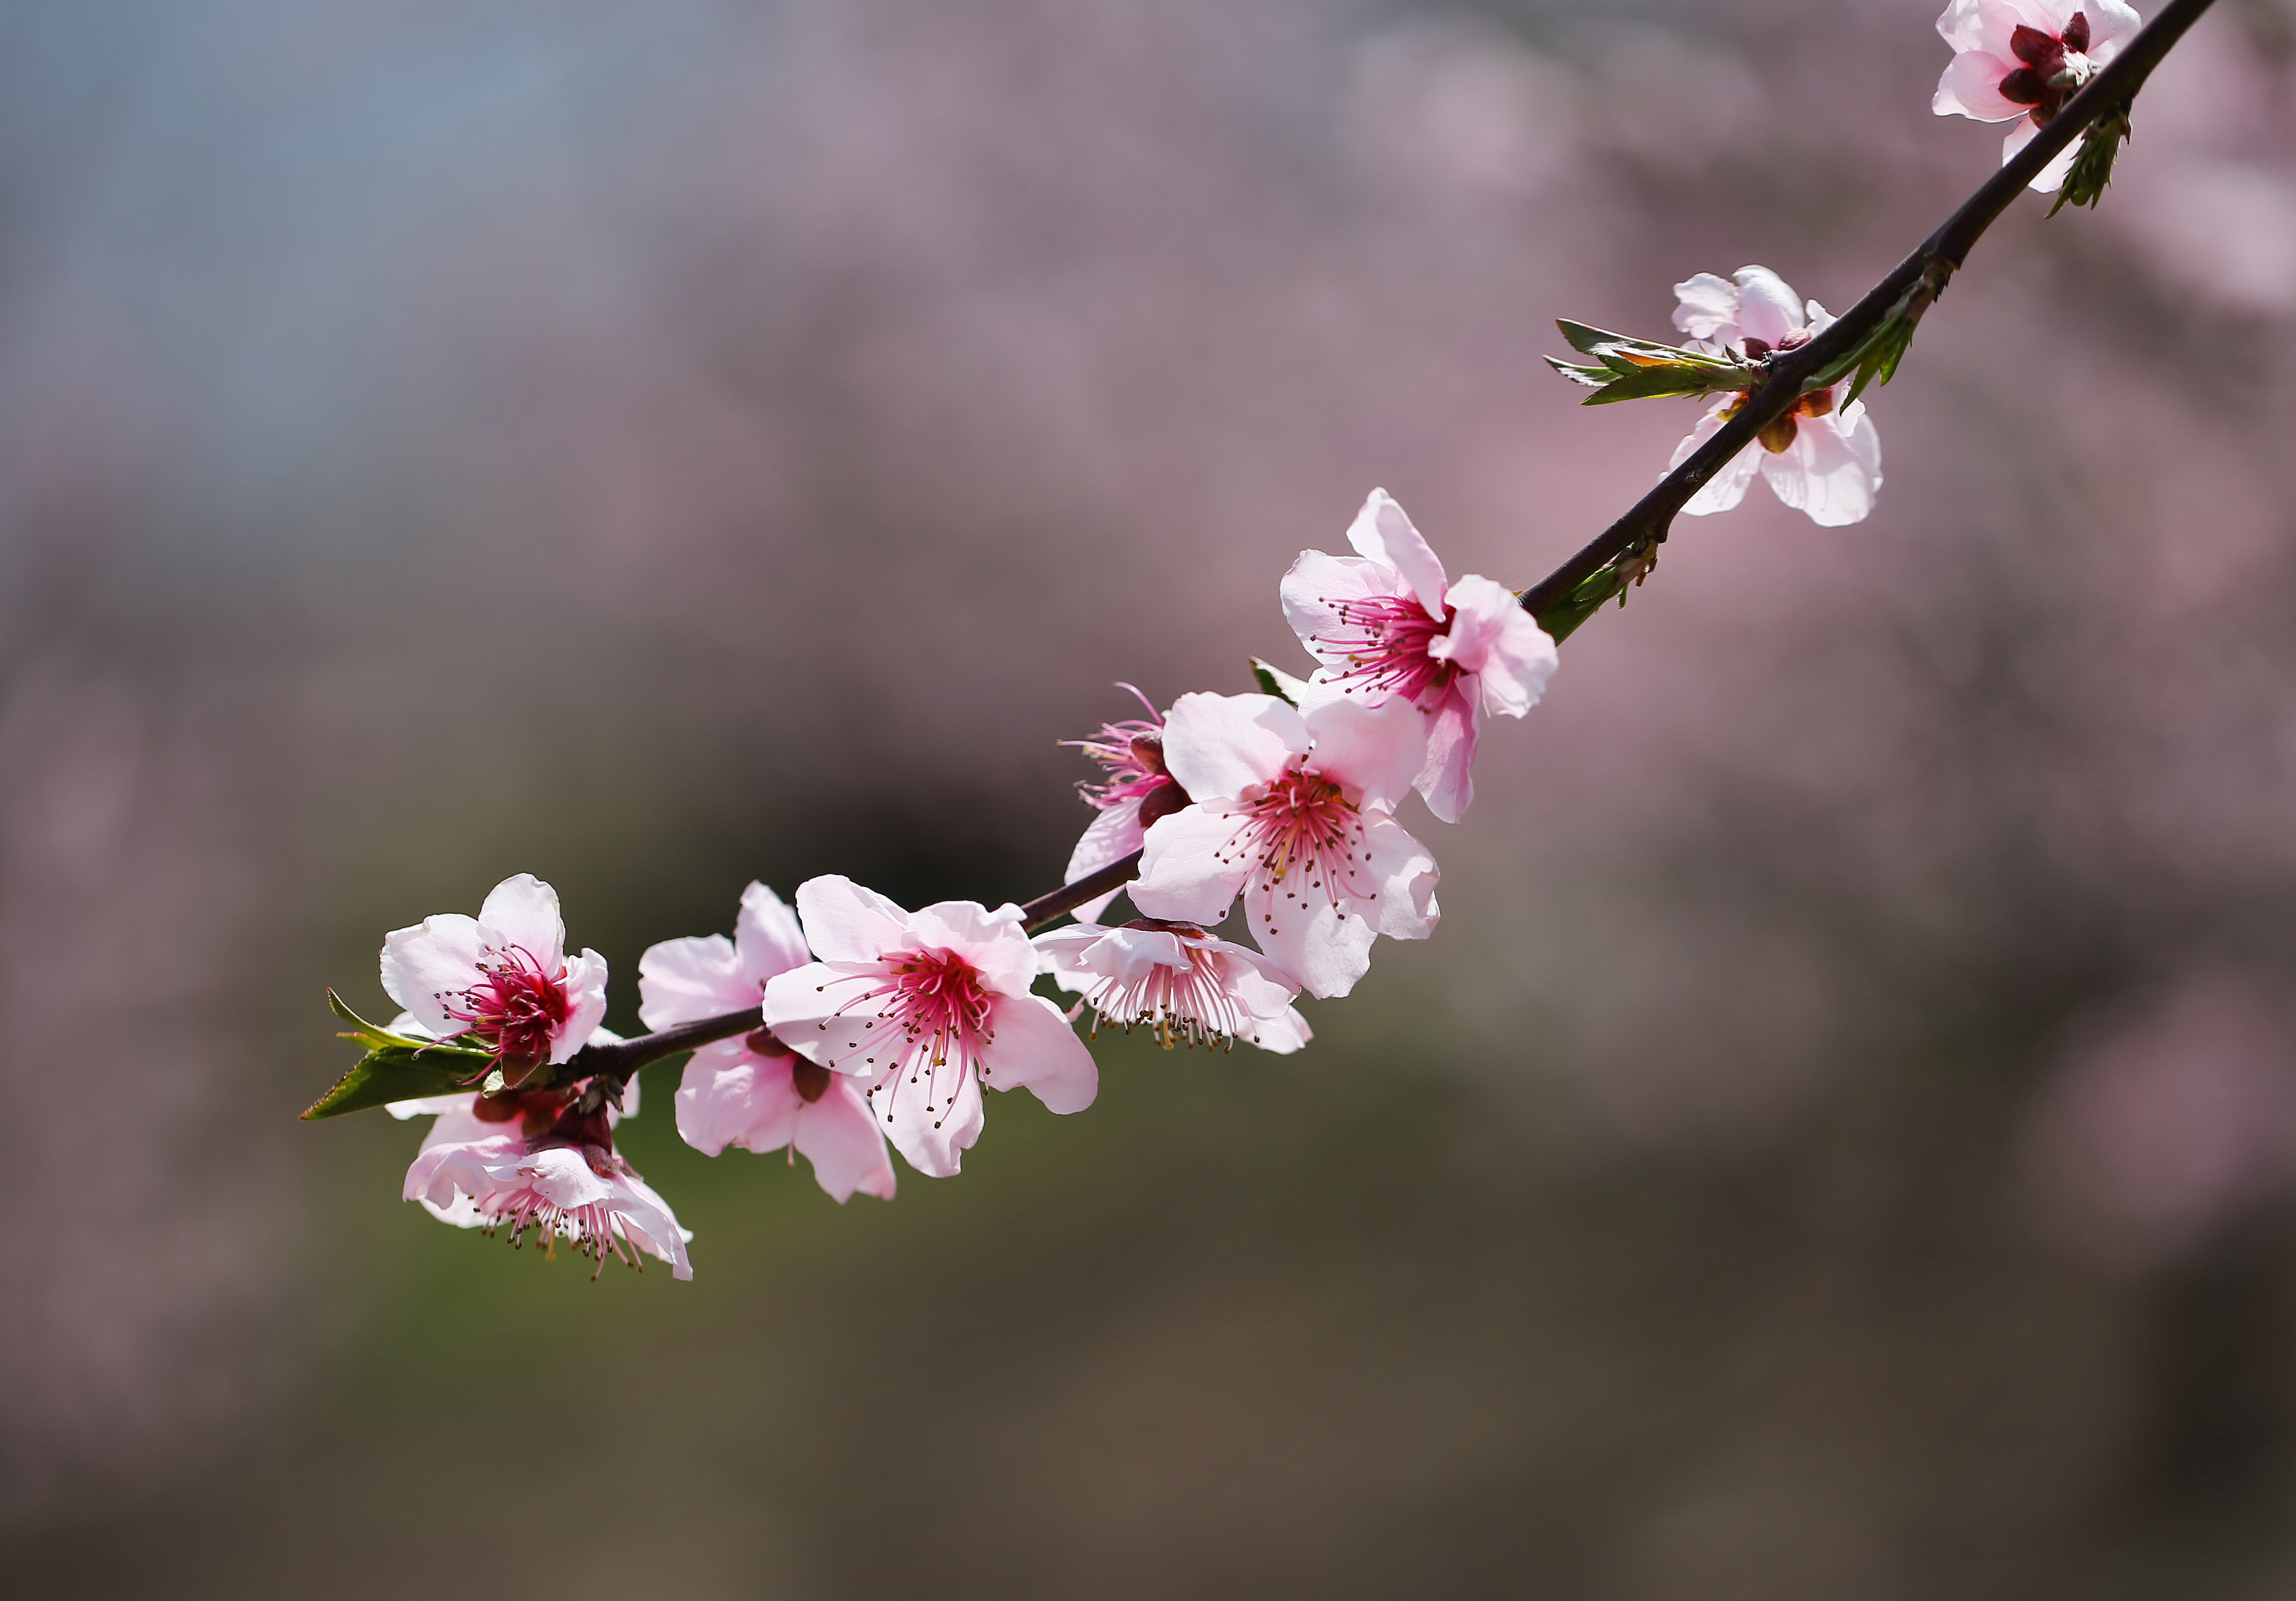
[(1839, 1144)]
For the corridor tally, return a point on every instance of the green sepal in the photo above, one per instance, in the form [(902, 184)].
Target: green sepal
[(1275, 681), (396, 1068), (2091, 169)]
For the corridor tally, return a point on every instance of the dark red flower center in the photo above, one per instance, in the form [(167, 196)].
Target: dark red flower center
[(1379, 647), (514, 1010), (2042, 82)]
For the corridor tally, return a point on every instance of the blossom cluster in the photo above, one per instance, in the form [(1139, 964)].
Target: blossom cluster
[(849, 1027)]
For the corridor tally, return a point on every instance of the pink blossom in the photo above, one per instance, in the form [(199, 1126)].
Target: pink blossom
[(483, 1170), (1136, 792), (1189, 987), (1389, 621), (1823, 458), (2024, 59), (502, 979), (753, 1091), (1296, 812), (924, 1008), (537, 1160)]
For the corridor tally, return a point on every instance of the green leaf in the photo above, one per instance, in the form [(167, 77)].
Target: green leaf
[(1635, 369), (1586, 340), (1274, 681), (1593, 377), (396, 1068), (397, 1072)]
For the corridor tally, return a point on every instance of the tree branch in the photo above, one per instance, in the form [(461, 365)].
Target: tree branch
[(1909, 290), (621, 1058), (1923, 274)]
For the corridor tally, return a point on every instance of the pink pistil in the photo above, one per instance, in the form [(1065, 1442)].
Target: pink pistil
[(1301, 826), (1383, 640), (931, 1009), (515, 1009)]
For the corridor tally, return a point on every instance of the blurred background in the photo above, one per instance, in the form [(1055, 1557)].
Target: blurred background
[(1840, 1145)]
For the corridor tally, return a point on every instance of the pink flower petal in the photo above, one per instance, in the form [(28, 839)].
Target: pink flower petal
[(766, 936), (1832, 471), (1114, 834), (1727, 487), (1447, 781), (1971, 87), (1036, 1049), (840, 1136), (1767, 307), (1189, 873), (1382, 533), (438, 956), (522, 912), (1708, 309), (844, 922), (1375, 751), (686, 980), (1219, 746)]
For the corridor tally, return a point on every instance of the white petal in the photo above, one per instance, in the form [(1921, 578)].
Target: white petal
[(586, 1005), (435, 960), (1375, 751), (1406, 872), (931, 1133), (1326, 951), (1447, 782), (522, 912), (1767, 307), (1512, 656), (1219, 746), (819, 1012), (686, 980), (1708, 308), (1035, 1047), (993, 942), (1727, 487), (2112, 24), (736, 1098), (2050, 178), (1382, 533), (647, 1223), (1832, 471), (767, 935), (1283, 1033), (1114, 834), (1971, 87), (1192, 866), (844, 922), (840, 1136)]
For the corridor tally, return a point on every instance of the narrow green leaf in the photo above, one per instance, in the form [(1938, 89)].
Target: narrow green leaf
[(1593, 377), (1649, 383), (1586, 340), (397, 1072)]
